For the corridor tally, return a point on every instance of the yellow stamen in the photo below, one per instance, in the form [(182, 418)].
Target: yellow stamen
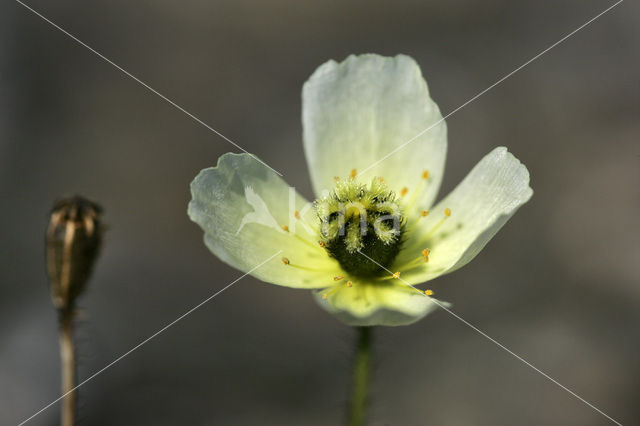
[(287, 262), (349, 284), (447, 213), (381, 179), (428, 292), (305, 268), (417, 191), (330, 292), (425, 255), (424, 213), (336, 178), (338, 277), (296, 213), (353, 173), (322, 244), (404, 191), (396, 275), (304, 240), (285, 228), (416, 262)]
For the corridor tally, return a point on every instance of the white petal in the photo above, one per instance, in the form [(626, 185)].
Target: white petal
[(356, 112), (480, 205), (241, 205), (388, 303)]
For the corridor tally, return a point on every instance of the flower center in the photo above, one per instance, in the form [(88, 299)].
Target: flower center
[(360, 222)]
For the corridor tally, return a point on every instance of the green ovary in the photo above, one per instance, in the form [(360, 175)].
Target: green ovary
[(361, 226)]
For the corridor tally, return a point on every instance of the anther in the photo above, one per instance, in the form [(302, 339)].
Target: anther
[(425, 174), (338, 277), (353, 173), (404, 191), (424, 213), (285, 261), (349, 284), (425, 254), (285, 228), (322, 244), (336, 178), (296, 213), (330, 292), (381, 179), (428, 292), (447, 212), (396, 275)]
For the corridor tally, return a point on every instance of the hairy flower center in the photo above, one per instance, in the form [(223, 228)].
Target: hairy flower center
[(361, 226)]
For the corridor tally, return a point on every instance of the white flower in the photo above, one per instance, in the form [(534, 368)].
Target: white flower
[(355, 113)]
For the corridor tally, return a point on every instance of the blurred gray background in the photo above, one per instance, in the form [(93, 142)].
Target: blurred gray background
[(559, 284)]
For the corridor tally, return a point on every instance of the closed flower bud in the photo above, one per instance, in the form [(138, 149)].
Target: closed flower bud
[(73, 239)]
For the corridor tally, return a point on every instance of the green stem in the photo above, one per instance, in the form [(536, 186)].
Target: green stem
[(361, 377)]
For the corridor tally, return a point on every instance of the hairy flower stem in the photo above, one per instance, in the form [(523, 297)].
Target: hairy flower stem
[(68, 367), (361, 377)]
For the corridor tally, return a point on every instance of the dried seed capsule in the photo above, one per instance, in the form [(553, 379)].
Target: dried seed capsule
[(73, 240)]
